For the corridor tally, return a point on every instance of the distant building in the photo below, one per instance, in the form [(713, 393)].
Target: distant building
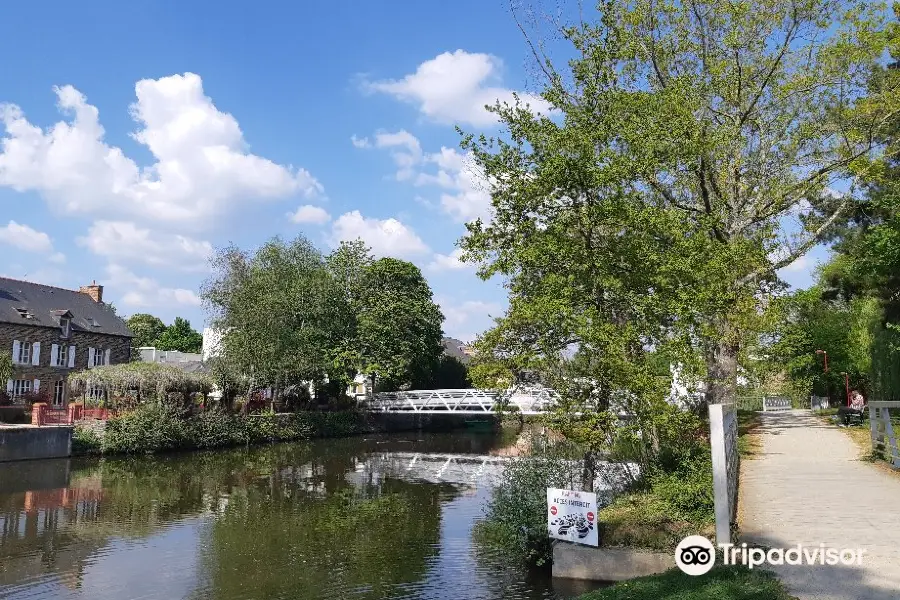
[(151, 354), (457, 349)]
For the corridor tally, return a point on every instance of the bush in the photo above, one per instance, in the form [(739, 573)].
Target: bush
[(5, 400), (35, 397), (85, 441), (688, 490), (516, 516), (157, 428)]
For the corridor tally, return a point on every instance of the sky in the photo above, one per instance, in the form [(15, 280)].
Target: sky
[(138, 137)]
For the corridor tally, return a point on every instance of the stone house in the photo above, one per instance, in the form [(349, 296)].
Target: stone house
[(52, 331)]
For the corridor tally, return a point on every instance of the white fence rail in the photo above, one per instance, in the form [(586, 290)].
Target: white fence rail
[(884, 440), (723, 437), (776, 404)]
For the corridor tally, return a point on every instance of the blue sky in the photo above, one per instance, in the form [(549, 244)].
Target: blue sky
[(139, 136)]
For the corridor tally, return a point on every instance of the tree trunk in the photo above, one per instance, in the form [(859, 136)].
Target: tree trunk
[(722, 364)]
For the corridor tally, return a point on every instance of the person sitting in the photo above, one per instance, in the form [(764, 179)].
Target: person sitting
[(855, 413)]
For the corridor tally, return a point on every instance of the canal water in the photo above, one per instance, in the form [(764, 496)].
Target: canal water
[(367, 518)]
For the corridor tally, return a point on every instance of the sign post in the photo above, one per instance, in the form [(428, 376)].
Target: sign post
[(572, 516)]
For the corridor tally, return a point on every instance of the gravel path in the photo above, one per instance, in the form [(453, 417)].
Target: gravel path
[(808, 486)]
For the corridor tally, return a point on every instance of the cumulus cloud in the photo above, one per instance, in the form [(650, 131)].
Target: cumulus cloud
[(460, 318), (310, 214), (360, 142), (146, 292), (125, 241), (202, 166), (28, 239), (405, 149), (387, 237), (454, 87), (448, 262)]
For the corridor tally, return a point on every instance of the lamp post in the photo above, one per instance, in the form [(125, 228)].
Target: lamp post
[(824, 353), (847, 384), (827, 387)]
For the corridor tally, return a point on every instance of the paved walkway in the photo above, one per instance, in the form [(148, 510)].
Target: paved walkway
[(808, 486)]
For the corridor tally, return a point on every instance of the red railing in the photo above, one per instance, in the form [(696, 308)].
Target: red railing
[(44, 414)]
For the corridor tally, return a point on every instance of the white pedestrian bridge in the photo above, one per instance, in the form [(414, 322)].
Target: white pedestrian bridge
[(522, 400)]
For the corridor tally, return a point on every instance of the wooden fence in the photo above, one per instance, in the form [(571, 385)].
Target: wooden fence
[(884, 439)]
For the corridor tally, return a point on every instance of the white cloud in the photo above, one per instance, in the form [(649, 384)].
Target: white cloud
[(459, 317), (454, 87), (468, 197), (310, 214), (28, 239), (388, 237), (448, 262), (125, 241), (801, 264), (406, 151), (145, 292), (360, 142), (202, 167)]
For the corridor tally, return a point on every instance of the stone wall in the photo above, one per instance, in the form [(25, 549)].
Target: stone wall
[(26, 442), (574, 561), (120, 351)]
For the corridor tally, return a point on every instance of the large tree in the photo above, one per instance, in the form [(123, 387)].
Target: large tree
[(398, 339), (276, 311), (180, 336), (146, 329), (652, 207)]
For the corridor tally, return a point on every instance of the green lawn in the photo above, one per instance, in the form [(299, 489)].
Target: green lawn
[(722, 583)]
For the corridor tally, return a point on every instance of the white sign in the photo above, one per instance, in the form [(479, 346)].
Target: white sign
[(572, 516)]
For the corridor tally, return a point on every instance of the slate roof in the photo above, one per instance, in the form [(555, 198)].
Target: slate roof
[(45, 303), (452, 348)]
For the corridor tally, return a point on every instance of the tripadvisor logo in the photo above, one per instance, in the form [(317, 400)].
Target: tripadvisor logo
[(696, 555)]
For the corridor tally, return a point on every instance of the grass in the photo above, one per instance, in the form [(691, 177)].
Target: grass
[(749, 434), (641, 520), (722, 583)]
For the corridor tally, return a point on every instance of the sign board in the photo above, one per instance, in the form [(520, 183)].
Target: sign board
[(572, 516)]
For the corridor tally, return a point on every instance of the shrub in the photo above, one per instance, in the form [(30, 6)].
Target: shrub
[(688, 490), (35, 397), (516, 516), (150, 428), (85, 441), (5, 399)]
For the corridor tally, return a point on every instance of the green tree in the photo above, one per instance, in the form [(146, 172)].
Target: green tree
[(399, 333), (648, 211), (450, 374), (277, 311), (146, 329), (6, 366), (180, 336)]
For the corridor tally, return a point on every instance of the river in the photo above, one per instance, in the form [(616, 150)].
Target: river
[(372, 517)]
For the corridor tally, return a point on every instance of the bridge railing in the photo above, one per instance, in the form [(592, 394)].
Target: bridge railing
[(460, 400)]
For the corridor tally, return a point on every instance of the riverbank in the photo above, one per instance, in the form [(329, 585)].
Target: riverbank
[(153, 429)]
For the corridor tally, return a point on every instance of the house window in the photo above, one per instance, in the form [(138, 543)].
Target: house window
[(66, 325), (97, 357), (62, 356), (59, 393), (21, 387), (24, 357), (94, 392)]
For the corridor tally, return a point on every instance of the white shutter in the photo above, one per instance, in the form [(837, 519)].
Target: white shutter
[(15, 355), (91, 353), (9, 386), (37, 385), (106, 356), (54, 355), (36, 354), (71, 357)]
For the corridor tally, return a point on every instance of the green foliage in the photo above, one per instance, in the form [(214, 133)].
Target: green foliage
[(399, 325), (140, 381), (146, 329), (516, 517), (160, 428), (85, 441), (450, 373), (6, 366), (687, 490), (721, 583), (181, 337), (649, 211)]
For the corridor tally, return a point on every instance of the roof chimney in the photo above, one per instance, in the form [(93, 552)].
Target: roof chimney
[(94, 291)]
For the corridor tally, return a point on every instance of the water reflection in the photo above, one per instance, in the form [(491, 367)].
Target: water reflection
[(382, 517)]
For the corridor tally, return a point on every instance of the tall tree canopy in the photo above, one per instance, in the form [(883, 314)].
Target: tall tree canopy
[(399, 325), (649, 210), (146, 329), (180, 336)]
